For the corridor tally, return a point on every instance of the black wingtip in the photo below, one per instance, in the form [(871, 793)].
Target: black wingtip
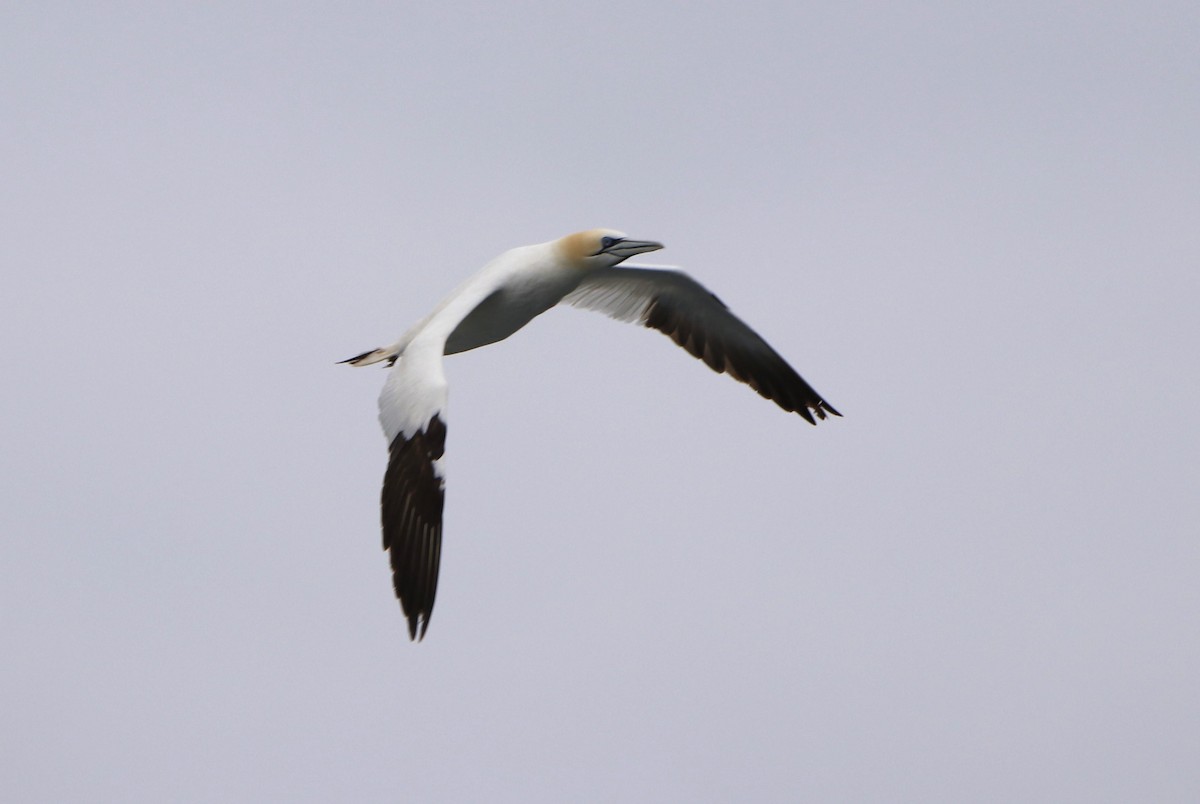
[(411, 503), (417, 624), (822, 409)]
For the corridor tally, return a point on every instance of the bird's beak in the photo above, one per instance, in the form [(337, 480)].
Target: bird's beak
[(627, 248)]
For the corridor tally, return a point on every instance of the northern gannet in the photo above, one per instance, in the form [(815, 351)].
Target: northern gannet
[(507, 293)]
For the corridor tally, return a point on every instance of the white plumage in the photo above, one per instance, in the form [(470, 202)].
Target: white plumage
[(510, 291)]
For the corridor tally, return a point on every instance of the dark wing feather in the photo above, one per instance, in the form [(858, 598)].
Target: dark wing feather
[(679, 306), (412, 500)]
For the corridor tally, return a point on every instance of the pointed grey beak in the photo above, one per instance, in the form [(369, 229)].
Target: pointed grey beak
[(627, 248)]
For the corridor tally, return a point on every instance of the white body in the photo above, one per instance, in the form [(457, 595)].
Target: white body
[(506, 294)]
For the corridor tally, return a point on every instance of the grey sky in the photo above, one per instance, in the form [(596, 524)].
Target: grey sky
[(974, 230)]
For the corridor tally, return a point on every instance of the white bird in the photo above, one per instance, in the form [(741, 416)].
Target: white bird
[(507, 293)]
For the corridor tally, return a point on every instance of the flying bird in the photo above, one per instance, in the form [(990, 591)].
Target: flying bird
[(582, 270)]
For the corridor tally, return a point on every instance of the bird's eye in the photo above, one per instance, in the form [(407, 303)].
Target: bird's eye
[(609, 242)]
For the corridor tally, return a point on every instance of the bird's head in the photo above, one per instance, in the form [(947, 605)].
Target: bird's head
[(602, 248)]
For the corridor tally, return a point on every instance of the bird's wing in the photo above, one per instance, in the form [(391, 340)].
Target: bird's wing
[(674, 303), (412, 410)]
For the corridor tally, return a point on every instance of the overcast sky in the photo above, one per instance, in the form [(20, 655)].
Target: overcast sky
[(974, 230)]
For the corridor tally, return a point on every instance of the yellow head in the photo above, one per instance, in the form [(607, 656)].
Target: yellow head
[(602, 248)]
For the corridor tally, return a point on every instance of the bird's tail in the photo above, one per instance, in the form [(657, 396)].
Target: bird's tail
[(388, 353)]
